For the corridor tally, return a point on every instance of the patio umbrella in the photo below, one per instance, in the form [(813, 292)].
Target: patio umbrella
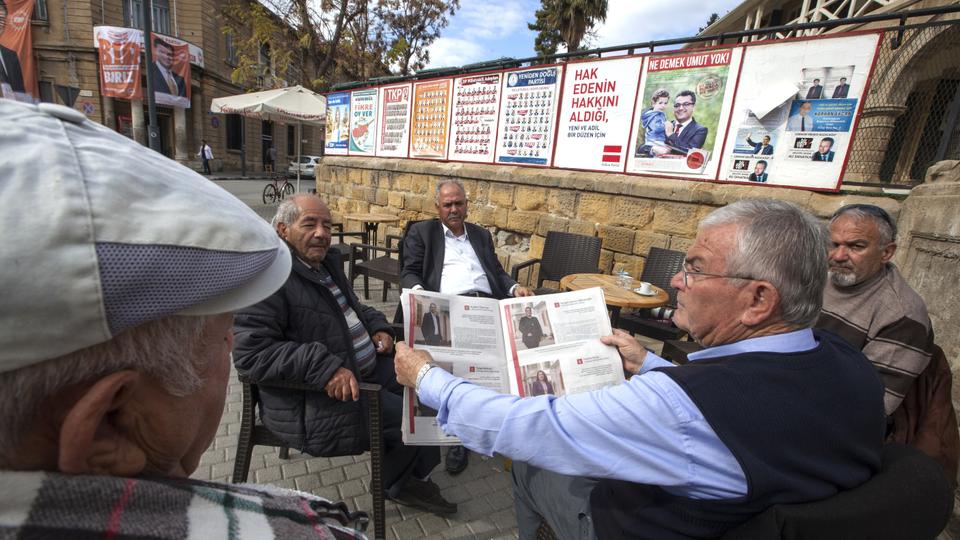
[(294, 103)]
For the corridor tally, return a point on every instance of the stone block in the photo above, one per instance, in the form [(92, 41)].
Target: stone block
[(586, 228), (523, 222), (549, 223), (381, 196), (618, 239), (562, 202), (594, 207), (530, 198), (291, 470), (536, 246), (644, 240), (500, 217), (355, 176), (681, 243), (631, 263), (482, 215), (677, 218), (403, 182), (331, 476), (606, 261), (501, 195), (633, 212), (424, 185), (395, 199)]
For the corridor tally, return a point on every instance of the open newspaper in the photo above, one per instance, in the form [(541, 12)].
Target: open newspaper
[(524, 346)]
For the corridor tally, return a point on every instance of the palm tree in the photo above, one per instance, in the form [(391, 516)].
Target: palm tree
[(574, 18)]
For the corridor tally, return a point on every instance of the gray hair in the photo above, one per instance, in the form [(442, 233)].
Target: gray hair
[(781, 243), (886, 226), (446, 182), (288, 212), (165, 349)]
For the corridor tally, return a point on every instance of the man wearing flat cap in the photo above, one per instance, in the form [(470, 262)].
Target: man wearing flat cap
[(115, 339)]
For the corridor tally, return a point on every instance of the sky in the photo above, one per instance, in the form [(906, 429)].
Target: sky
[(490, 29)]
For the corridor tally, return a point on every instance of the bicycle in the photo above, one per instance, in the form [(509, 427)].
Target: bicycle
[(278, 189)]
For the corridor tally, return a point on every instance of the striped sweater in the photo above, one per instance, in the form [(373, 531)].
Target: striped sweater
[(886, 319)]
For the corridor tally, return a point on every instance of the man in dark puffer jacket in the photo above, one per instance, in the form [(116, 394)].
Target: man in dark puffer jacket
[(314, 330)]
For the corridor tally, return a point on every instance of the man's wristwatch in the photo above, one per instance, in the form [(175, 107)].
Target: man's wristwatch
[(421, 374)]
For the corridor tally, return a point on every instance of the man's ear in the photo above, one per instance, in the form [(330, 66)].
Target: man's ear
[(888, 252), (764, 303), (91, 441), (282, 230)]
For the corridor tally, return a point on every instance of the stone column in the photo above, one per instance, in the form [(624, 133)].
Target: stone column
[(109, 117), (180, 152), (870, 144), (139, 123)]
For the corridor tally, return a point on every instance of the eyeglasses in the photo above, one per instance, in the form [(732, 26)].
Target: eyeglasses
[(686, 273), (686, 105)]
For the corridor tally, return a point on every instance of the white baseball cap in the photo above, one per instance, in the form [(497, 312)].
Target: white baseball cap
[(101, 234)]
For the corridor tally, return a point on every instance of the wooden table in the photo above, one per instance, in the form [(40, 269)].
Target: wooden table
[(371, 222), (616, 297)]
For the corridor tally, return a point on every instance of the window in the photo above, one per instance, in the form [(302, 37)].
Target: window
[(133, 15), (291, 139), (231, 50), (234, 132), (40, 11)]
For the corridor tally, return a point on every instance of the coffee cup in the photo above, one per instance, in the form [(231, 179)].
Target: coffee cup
[(645, 288)]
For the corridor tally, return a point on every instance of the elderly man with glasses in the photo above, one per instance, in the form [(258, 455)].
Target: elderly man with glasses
[(771, 411)]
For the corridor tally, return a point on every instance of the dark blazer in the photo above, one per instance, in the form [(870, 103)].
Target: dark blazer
[(758, 147), (11, 73), (817, 156), (815, 92), (692, 136), (755, 178), (841, 90), (423, 249), (431, 334), (160, 83)]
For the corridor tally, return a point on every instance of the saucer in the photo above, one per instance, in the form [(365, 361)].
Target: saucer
[(651, 293)]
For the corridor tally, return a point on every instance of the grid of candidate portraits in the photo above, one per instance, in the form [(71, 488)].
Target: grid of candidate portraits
[(778, 113)]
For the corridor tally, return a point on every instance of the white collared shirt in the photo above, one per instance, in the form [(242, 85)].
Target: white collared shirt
[(462, 271)]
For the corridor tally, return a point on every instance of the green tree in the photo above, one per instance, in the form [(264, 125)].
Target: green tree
[(548, 36), (571, 20), (713, 18), (410, 26)]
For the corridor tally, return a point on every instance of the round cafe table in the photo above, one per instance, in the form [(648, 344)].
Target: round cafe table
[(371, 222), (616, 297)]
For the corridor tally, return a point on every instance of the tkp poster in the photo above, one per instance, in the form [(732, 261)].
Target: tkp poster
[(363, 122), (337, 135), (18, 74), (394, 111), (119, 50), (795, 111), (595, 114), (473, 129), (171, 72), (681, 113), (431, 110), (527, 114)]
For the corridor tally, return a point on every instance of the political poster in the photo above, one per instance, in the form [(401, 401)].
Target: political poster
[(119, 50), (394, 123), (595, 114), (171, 72), (795, 111), (681, 113), (431, 112), (363, 122), (527, 116), (473, 124), (18, 73), (337, 133)]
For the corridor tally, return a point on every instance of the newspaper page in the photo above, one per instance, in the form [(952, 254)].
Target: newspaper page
[(464, 337), (553, 344)]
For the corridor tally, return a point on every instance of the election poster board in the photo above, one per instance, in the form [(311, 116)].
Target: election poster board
[(119, 50), (595, 114), (363, 122), (473, 128), (171, 71), (337, 135), (394, 123), (681, 113), (795, 111), (528, 113), (18, 72), (431, 113)]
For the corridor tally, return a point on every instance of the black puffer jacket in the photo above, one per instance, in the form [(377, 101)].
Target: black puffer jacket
[(299, 334)]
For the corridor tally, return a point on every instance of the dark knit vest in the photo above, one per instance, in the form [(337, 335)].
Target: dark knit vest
[(803, 426)]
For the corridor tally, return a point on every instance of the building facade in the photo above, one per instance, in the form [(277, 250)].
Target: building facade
[(68, 73)]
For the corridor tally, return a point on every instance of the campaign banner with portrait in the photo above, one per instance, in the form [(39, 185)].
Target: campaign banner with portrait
[(431, 114), (796, 108), (171, 71), (394, 126), (681, 113), (528, 114), (337, 132), (119, 50), (18, 74), (595, 114), (473, 129), (363, 122)]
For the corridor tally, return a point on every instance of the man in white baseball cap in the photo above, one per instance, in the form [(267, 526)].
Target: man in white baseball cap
[(120, 270)]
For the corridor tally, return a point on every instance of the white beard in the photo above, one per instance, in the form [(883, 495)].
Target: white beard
[(844, 279)]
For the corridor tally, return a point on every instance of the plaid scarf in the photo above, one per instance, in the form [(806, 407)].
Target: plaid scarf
[(52, 505)]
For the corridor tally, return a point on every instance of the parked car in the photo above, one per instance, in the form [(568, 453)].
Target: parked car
[(307, 165)]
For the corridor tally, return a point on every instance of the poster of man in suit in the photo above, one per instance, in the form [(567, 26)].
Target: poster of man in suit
[(18, 79), (171, 72)]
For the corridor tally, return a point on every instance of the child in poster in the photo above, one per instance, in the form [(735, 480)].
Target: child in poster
[(655, 125)]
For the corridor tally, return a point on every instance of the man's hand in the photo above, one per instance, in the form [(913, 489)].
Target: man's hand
[(408, 362), (383, 342), (522, 291), (631, 352), (659, 150), (343, 386)]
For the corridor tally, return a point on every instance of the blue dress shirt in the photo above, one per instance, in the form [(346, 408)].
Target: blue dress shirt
[(646, 430)]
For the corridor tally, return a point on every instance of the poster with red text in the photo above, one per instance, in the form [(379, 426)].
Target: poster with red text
[(394, 120), (595, 114), (431, 110), (473, 125), (528, 111), (119, 50), (18, 74), (681, 114), (363, 122)]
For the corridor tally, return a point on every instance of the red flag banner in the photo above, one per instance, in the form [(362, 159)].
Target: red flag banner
[(18, 74), (120, 50)]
